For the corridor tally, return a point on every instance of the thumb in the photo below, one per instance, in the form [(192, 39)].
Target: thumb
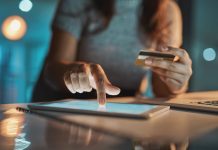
[(111, 89)]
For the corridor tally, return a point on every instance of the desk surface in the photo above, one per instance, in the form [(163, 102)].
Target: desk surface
[(176, 129)]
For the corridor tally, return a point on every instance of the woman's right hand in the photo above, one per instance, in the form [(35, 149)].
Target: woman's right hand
[(82, 77)]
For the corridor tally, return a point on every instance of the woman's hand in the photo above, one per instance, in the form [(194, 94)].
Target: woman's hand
[(82, 77), (174, 74)]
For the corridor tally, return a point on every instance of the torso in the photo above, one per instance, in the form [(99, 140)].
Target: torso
[(116, 47)]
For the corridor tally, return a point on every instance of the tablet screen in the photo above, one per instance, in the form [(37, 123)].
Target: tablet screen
[(110, 107)]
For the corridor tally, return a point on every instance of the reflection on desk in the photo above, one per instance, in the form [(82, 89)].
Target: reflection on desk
[(11, 130), (20, 131)]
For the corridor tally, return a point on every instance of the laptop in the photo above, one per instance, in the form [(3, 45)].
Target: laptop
[(203, 101)]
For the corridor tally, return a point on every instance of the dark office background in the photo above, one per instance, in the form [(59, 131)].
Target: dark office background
[(21, 61)]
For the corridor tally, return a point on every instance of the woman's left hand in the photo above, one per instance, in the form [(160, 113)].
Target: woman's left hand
[(174, 74)]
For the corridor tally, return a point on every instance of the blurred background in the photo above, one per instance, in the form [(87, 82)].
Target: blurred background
[(25, 35)]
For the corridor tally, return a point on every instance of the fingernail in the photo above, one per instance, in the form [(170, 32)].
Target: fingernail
[(101, 98), (148, 61)]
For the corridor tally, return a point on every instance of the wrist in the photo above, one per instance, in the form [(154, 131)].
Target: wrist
[(183, 89)]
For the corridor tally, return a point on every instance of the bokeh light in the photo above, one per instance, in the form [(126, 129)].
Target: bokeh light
[(209, 54), (25, 5), (11, 127), (14, 27)]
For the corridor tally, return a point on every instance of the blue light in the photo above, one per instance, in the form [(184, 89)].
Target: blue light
[(25, 5), (209, 54)]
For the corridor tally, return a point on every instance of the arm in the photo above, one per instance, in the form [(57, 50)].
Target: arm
[(162, 85), (62, 70), (62, 52)]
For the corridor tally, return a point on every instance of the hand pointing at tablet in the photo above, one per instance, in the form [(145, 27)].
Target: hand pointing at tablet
[(82, 77)]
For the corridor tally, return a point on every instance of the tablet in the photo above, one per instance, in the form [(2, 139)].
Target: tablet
[(111, 109)]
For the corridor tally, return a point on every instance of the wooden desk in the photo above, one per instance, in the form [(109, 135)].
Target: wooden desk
[(173, 125), (64, 131)]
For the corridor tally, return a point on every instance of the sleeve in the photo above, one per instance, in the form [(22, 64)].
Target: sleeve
[(70, 16)]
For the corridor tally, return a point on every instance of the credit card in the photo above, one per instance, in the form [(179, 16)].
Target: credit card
[(143, 54)]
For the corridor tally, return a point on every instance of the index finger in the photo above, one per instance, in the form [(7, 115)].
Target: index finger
[(181, 53), (99, 77)]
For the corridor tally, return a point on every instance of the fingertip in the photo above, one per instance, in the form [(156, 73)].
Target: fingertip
[(71, 90), (101, 96), (118, 90), (79, 91), (112, 90)]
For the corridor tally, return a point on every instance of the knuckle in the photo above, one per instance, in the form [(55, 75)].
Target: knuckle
[(100, 69), (94, 67), (81, 68), (66, 77), (190, 61), (185, 52), (182, 53), (98, 66), (101, 93), (82, 75), (84, 82), (101, 80), (190, 72), (73, 75)]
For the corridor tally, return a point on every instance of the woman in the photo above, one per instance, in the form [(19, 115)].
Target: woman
[(95, 38)]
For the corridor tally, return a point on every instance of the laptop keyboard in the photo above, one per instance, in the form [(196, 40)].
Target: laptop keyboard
[(213, 103)]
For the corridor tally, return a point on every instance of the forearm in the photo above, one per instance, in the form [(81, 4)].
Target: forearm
[(160, 89), (53, 74), (61, 55)]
